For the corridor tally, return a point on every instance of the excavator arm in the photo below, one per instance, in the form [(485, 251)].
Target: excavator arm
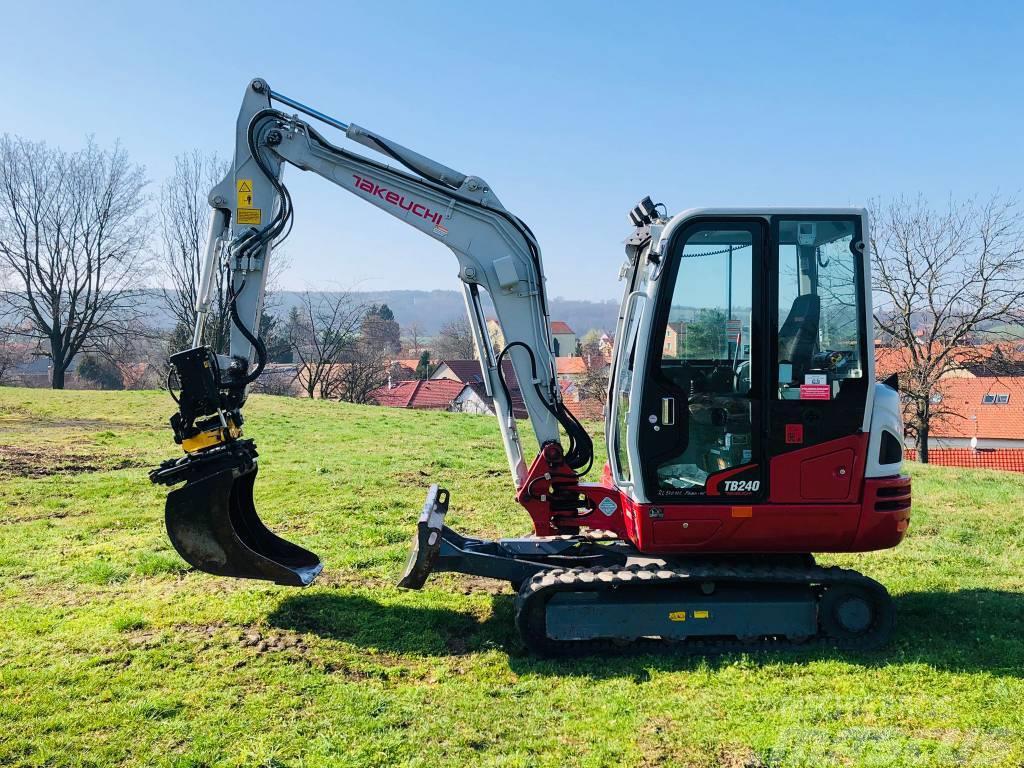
[(212, 520)]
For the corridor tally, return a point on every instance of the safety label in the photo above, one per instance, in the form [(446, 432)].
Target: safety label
[(250, 215), (244, 193), (815, 392), (677, 616)]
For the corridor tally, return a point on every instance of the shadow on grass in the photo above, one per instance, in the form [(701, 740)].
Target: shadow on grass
[(969, 630)]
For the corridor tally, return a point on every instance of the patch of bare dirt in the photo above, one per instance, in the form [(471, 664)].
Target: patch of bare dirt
[(267, 641), (474, 585), (739, 757), (88, 424), (206, 635), (18, 461), (660, 750), (59, 514)]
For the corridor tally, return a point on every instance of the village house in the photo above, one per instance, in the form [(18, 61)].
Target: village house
[(469, 373), (978, 412), (422, 394), (564, 339)]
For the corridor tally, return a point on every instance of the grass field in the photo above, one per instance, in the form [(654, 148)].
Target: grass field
[(113, 652)]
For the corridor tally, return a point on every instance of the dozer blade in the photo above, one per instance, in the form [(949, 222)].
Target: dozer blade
[(213, 524), (426, 544)]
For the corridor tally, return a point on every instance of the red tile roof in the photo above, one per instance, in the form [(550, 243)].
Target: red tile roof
[(469, 371), (585, 409), (590, 409), (962, 413), (411, 363), (432, 393), (890, 360), (571, 366), (557, 326)]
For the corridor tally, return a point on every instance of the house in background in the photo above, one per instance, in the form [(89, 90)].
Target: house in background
[(562, 335), (469, 373), (473, 399), (570, 368), (675, 339), (984, 413), (583, 408), (421, 394), (564, 338)]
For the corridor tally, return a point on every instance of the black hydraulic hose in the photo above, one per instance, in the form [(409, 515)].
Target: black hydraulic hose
[(255, 340), (254, 240), (581, 447)]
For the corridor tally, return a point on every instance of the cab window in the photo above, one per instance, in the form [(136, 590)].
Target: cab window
[(819, 345)]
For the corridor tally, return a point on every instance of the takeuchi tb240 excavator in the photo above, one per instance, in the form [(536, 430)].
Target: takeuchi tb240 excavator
[(745, 428)]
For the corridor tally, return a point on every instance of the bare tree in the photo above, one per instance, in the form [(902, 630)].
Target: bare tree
[(413, 338), (322, 331), (71, 245), (592, 383), (455, 341), (943, 280), (364, 371), (184, 223), (12, 354)]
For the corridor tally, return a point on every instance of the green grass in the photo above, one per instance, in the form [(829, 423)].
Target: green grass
[(113, 652)]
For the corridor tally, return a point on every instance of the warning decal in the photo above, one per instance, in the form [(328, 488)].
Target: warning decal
[(250, 215), (244, 193), (815, 392)]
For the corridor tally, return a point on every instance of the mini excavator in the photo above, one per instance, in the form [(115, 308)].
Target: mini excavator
[(745, 428)]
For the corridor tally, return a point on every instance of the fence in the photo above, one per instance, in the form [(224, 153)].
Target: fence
[(1006, 459)]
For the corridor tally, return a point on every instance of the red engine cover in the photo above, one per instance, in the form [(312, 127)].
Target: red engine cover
[(818, 501)]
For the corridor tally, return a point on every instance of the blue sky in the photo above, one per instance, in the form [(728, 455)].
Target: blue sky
[(571, 111)]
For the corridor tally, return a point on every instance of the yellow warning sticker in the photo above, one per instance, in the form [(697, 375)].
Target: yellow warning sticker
[(702, 614), (245, 193), (250, 215), (677, 616)]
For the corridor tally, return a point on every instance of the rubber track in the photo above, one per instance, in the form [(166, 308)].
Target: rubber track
[(532, 599)]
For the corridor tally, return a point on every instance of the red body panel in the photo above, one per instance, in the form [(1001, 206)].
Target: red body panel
[(819, 501)]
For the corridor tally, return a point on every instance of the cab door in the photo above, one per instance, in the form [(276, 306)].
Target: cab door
[(699, 430)]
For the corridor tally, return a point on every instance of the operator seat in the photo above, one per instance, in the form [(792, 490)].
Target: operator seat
[(798, 336)]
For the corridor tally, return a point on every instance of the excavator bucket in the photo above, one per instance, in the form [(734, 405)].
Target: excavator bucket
[(213, 524)]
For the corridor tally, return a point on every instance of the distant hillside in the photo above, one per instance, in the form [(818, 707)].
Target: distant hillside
[(432, 309)]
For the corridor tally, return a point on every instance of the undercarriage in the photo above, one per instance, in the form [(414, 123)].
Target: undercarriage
[(594, 592)]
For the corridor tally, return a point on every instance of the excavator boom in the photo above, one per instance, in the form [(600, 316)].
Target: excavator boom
[(497, 256)]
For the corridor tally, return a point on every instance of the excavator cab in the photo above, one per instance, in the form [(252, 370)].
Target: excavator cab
[(752, 345)]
